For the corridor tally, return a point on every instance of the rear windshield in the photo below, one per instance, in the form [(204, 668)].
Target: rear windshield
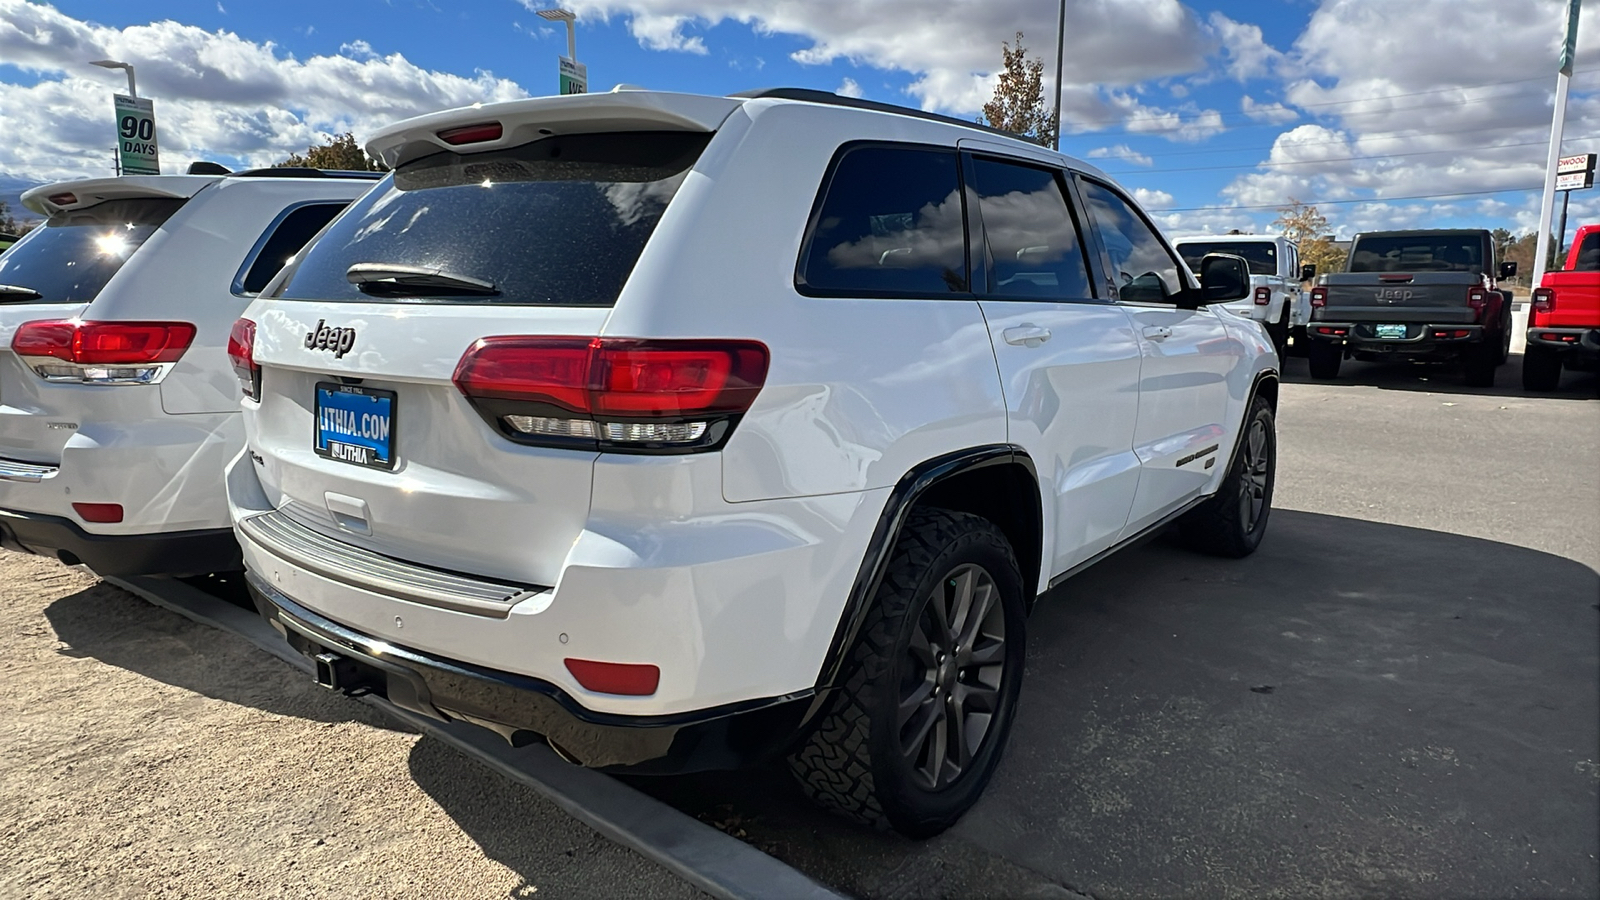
[(1419, 253), (1588, 254), (70, 257), (559, 222), (1262, 256)]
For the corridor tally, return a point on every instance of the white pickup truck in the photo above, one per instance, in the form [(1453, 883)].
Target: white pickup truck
[(1276, 299)]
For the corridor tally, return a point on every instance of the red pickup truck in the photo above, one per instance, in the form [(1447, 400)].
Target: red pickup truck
[(1564, 325)]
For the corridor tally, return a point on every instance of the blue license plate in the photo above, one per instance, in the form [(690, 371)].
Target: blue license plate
[(1389, 332), (355, 425)]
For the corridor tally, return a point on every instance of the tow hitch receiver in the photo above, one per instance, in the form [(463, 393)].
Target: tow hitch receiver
[(341, 673)]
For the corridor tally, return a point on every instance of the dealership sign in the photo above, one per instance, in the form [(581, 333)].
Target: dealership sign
[(136, 136)]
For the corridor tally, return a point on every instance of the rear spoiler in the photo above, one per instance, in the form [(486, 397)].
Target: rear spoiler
[(521, 121), (52, 199)]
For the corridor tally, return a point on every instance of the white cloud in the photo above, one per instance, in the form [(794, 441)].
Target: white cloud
[(1247, 54), (849, 88), (1273, 113), (1152, 200), (1122, 152), (357, 50), (665, 33), (217, 95)]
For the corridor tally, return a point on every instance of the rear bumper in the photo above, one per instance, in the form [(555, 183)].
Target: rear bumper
[(1422, 340), (167, 553), (520, 707), (1583, 342)]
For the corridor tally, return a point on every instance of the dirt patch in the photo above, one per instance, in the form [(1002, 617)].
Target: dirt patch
[(142, 755)]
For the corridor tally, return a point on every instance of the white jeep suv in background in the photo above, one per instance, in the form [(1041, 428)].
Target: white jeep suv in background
[(1276, 299), (683, 431), (118, 409)]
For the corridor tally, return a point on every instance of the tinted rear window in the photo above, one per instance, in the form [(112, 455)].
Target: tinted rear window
[(1419, 253), (283, 241), (71, 256), (1262, 256), (558, 222), (1588, 254)]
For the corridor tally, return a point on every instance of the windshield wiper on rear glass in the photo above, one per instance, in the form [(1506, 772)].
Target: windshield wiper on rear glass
[(395, 280), (13, 293)]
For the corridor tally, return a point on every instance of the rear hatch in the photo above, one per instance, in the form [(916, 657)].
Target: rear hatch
[(362, 430), (1427, 277), (55, 272)]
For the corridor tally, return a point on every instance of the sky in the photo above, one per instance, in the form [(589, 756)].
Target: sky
[(1384, 113)]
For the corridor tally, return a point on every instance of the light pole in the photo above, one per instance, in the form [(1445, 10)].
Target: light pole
[(1061, 40), (567, 16), (114, 64)]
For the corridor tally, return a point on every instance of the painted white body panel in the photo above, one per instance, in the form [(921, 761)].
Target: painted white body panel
[(157, 449)]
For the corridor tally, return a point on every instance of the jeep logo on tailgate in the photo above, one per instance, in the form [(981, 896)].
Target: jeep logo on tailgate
[(339, 340), (1390, 295)]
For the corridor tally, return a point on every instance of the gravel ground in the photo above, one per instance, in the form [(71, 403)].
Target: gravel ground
[(142, 755)]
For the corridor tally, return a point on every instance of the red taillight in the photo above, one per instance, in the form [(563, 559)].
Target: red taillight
[(472, 134), (615, 678), (104, 343), (1544, 300), (102, 513), (564, 388), (1477, 298), (242, 353), (1319, 297), (1263, 296)]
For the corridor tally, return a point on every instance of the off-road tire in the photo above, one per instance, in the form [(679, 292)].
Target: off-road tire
[(1505, 329), (1221, 526), (851, 763), (1541, 370), (1480, 362), (1325, 358), (1279, 332)]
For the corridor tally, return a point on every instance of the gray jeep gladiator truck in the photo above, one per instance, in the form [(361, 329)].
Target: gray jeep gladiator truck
[(1422, 296)]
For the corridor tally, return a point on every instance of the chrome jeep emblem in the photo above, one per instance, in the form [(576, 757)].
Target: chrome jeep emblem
[(339, 340)]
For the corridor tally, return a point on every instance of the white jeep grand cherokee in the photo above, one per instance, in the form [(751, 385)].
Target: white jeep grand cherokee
[(682, 431), (118, 410)]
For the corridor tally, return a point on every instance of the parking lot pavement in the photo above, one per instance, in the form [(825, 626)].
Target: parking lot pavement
[(1396, 696), (143, 755)]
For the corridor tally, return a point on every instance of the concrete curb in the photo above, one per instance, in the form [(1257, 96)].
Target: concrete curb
[(720, 865)]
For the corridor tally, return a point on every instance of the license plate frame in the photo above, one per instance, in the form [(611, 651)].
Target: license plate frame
[(355, 449), (1391, 332)]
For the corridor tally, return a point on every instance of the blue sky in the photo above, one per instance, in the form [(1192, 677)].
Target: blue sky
[(1214, 111)]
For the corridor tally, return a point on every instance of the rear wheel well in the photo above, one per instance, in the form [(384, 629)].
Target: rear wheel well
[(1268, 387), (1008, 496)]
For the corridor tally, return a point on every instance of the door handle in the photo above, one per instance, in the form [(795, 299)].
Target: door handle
[(1157, 332), (1026, 335)]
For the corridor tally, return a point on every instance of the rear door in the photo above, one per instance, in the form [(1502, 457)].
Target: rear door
[(54, 272), (1182, 432), (1068, 359), (362, 431)]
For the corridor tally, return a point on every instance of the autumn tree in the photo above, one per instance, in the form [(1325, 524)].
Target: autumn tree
[(338, 152), (8, 223), (1018, 105), (1303, 224)]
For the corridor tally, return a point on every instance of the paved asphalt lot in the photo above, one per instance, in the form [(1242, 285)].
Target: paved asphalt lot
[(1396, 696)]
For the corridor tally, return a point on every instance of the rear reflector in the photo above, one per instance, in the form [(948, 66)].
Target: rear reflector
[(242, 353), (472, 134), (104, 343), (103, 513), (615, 678)]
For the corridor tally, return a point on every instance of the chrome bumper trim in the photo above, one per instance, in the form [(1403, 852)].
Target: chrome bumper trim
[(342, 562), (32, 473)]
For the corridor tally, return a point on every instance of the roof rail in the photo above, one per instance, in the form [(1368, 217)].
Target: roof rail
[(809, 95), (307, 172)]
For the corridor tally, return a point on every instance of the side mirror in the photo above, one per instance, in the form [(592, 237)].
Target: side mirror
[(1223, 278), (1508, 270), (1308, 272)]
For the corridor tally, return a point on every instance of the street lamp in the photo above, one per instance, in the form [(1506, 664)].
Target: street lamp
[(114, 64), (567, 16), (1061, 41)]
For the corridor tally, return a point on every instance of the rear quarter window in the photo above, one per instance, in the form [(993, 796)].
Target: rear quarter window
[(281, 241), (71, 256), (1588, 254), (559, 222)]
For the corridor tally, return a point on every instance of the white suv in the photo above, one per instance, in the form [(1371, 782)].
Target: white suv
[(682, 431), (1276, 299), (118, 410)]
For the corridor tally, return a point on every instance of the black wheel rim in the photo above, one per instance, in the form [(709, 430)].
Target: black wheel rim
[(950, 693), (1256, 475)]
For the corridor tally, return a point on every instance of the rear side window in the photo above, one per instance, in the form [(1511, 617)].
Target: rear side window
[(1033, 244), (890, 224), (281, 241), (71, 256), (560, 222)]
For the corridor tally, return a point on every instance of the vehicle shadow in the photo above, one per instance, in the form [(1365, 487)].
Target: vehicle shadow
[(1357, 709), (1442, 379), (109, 624)]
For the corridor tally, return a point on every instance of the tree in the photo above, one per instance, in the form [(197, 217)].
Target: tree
[(8, 224), (1018, 105), (339, 152), (1307, 227)]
